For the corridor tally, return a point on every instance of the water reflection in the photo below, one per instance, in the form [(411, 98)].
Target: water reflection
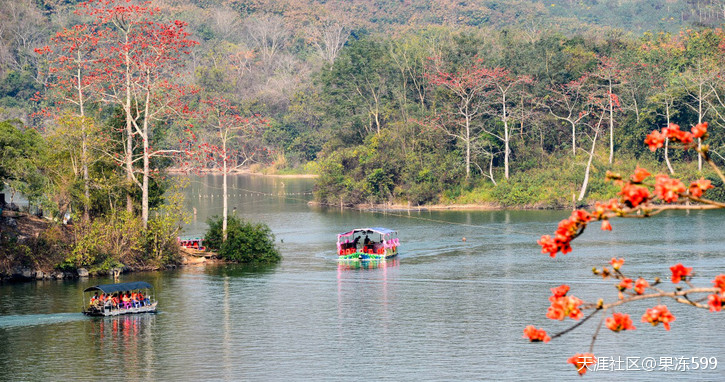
[(366, 264)]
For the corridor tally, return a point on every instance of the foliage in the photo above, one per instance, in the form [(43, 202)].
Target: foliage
[(20, 153), (246, 242)]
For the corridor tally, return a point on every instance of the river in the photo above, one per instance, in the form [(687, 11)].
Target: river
[(444, 309)]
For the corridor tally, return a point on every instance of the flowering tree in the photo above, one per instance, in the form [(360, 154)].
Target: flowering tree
[(612, 75), (141, 59), (505, 86), (569, 102), (468, 85), (640, 197), (231, 141), (74, 80)]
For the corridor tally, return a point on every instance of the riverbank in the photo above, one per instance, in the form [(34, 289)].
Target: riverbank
[(243, 171), (486, 206)]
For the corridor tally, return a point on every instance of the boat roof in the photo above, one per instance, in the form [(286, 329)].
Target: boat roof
[(380, 230), (111, 288)]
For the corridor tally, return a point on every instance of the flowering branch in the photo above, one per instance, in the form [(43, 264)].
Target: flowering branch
[(637, 199)]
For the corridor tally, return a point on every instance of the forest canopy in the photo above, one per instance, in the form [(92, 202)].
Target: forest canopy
[(407, 102)]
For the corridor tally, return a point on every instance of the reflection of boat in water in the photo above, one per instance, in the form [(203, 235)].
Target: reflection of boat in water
[(118, 299), (378, 244), (366, 264)]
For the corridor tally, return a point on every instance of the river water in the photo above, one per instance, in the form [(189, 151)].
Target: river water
[(444, 309)]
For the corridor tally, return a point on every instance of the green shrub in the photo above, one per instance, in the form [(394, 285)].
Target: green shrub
[(246, 242)]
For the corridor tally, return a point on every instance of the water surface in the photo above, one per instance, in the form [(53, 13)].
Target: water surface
[(444, 309)]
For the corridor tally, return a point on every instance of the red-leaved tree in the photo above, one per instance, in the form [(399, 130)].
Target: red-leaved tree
[(141, 56), (229, 139)]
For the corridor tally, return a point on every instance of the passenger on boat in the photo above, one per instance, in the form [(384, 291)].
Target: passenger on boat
[(142, 300), (126, 300)]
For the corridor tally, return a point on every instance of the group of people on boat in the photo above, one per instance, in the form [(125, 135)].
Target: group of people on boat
[(368, 245), (119, 300)]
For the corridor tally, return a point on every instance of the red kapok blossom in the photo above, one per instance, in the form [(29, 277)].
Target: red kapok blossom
[(634, 195), (640, 285), (619, 322), (625, 284), (699, 130), (548, 245), (697, 188), (580, 216), (639, 175), (562, 307), (679, 271), (720, 282), (668, 189), (606, 225), (674, 133), (714, 301), (655, 140), (616, 264), (658, 314), (536, 335), (582, 362), (559, 291)]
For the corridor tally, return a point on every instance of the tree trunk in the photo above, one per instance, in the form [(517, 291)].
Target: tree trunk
[(129, 133), (667, 141), (589, 163), (611, 125), (146, 157), (468, 144), (505, 139), (224, 192)]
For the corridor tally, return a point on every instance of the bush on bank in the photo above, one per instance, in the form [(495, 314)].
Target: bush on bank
[(246, 242)]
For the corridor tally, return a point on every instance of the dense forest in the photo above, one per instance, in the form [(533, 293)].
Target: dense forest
[(517, 103)]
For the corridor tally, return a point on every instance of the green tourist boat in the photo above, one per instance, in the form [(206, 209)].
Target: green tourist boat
[(367, 244)]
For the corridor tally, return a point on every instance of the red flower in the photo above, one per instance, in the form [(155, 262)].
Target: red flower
[(580, 216), (564, 306), (559, 291), (582, 362), (639, 175), (619, 322), (625, 284), (720, 282), (658, 314), (616, 264), (548, 245), (655, 140), (673, 132), (606, 226), (640, 285), (679, 271), (699, 130), (634, 195), (668, 189), (697, 188), (715, 302), (536, 335)]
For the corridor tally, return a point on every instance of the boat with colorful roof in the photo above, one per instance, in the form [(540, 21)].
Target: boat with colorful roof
[(376, 243)]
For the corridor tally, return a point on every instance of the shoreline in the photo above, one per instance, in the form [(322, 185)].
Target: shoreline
[(178, 171), (489, 206)]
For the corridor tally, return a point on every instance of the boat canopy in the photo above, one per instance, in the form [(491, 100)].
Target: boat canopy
[(112, 288), (378, 230)]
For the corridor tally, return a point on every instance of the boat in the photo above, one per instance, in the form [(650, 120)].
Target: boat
[(367, 244), (104, 300), (191, 243)]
